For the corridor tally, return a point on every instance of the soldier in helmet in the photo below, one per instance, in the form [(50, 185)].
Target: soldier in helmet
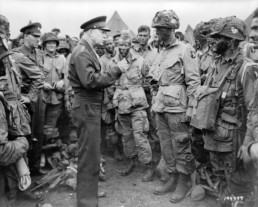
[(203, 45), (176, 71), (230, 86), (54, 84), (130, 102)]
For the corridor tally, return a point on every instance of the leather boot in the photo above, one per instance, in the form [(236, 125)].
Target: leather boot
[(181, 189), (129, 168), (149, 173), (168, 186)]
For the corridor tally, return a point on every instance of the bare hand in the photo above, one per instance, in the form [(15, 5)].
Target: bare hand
[(25, 100), (241, 152), (47, 86), (68, 106)]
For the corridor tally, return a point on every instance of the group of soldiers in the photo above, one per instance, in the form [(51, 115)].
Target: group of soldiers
[(198, 103)]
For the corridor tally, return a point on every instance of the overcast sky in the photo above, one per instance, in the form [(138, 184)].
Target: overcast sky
[(68, 15)]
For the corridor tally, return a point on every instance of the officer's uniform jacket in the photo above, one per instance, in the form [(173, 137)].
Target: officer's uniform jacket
[(54, 71), (36, 56), (29, 72), (85, 72), (176, 70), (129, 95), (69, 94), (107, 103)]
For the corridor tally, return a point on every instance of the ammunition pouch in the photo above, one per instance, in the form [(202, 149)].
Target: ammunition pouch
[(206, 109)]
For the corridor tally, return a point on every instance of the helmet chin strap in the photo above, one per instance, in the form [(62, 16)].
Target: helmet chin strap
[(231, 44)]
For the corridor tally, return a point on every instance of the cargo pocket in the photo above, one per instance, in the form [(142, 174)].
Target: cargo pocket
[(134, 75), (124, 102), (172, 96), (138, 97), (223, 131), (182, 143)]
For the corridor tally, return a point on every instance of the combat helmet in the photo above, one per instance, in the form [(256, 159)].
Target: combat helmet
[(231, 27), (166, 18), (50, 36), (202, 31)]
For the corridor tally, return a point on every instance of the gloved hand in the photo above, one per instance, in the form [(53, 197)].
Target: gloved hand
[(123, 65)]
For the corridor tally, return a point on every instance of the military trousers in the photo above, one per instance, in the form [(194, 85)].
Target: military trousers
[(151, 118), (52, 114), (3, 200), (134, 127), (86, 115), (175, 142)]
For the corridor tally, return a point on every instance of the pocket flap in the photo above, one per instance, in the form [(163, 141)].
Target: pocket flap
[(76, 105), (173, 91), (171, 61)]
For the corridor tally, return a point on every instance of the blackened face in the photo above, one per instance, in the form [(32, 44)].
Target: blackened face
[(220, 45), (100, 51), (124, 47), (109, 46), (163, 33)]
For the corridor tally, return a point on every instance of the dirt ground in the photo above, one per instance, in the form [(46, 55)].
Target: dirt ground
[(120, 192)]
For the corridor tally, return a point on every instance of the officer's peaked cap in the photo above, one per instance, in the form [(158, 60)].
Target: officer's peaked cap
[(33, 28), (95, 23)]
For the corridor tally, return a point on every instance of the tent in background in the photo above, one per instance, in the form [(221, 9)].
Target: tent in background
[(189, 35), (116, 24)]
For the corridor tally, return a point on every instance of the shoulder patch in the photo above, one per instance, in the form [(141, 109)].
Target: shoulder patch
[(193, 54)]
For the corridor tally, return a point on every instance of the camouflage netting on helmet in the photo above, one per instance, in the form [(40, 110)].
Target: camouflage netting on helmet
[(202, 31), (4, 25), (231, 27), (166, 18)]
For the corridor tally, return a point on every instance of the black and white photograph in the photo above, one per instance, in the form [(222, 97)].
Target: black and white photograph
[(141, 103)]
